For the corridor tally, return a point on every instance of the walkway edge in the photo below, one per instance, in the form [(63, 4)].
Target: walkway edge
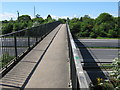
[(80, 76), (28, 78)]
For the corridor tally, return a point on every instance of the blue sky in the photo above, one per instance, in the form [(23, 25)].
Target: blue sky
[(58, 9)]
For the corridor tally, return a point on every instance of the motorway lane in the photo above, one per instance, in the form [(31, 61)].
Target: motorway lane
[(20, 41), (99, 42), (104, 55), (99, 54), (8, 45), (11, 50), (96, 55)]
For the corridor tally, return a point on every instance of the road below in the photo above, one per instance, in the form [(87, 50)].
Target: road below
[(99, 42), (95, 51), (99, 54)]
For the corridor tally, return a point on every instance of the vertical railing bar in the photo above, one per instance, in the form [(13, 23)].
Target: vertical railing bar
[(15, 43), (36, 34), (13, 37), (28, 39)]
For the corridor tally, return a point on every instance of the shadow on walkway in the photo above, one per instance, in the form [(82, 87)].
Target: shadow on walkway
[(90, 65)]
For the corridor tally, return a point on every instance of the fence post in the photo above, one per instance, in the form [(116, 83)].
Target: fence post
[(28, 38), (45, 29), (36, 33), (15, 43)]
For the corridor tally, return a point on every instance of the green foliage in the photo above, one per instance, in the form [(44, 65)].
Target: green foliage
[(49, 17), (24, 22), (93, 35), (104, 17), (112, 33), (37, 16), (29, 24), (115, 74), (6, 58), (16, 26), (75, 27), (5, 21), (101, 84), (38, 20), (62, 20), (7, 28), (105, 25), (24, 18)]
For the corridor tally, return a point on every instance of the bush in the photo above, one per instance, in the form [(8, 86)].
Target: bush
[(112, 34), (6, 58), (115, 74), (93, 35), (7, 28), (102, 85)]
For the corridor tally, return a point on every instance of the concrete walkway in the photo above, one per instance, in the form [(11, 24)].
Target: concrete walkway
[(45, 66), (53, 71)]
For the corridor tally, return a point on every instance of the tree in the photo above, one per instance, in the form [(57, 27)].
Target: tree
[(16, 27), (8, 28), (75, 27), (5, 21), (37, 16), (49, 17), (24, 18), (112, 34), (93, 35), (87, 16), (62, 20), (104, 17)]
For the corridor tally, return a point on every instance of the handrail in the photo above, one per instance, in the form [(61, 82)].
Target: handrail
[(16, 44), (24, 30), (77, 74)]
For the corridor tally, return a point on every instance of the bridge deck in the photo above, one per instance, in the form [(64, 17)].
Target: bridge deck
[(45, 66)]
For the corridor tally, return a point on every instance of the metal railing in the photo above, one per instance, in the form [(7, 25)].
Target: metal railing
[(78, 78), (15, 45)]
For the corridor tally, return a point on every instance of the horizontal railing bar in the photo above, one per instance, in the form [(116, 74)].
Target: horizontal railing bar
[(17, 44), (83, 85), (20, 31), (96, 62)]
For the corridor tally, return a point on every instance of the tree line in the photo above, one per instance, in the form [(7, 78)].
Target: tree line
[(24, 22), (105, 25)]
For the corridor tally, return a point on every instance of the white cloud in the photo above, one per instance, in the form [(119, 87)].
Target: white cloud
[(75, 16), (57, 17), (7, 16)]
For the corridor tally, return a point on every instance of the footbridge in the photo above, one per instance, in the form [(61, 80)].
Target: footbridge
[(41, 57)]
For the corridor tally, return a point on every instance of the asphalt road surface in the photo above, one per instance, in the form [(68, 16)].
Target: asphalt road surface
[(104, 55), (99, 54), (11, 50), (95, 54), (8, 45), (99, 42), (20, 41)]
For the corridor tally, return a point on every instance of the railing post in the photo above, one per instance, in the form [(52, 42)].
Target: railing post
[(36, 33), (45, 31), (15, 43), (78, 78), (28, 38)]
